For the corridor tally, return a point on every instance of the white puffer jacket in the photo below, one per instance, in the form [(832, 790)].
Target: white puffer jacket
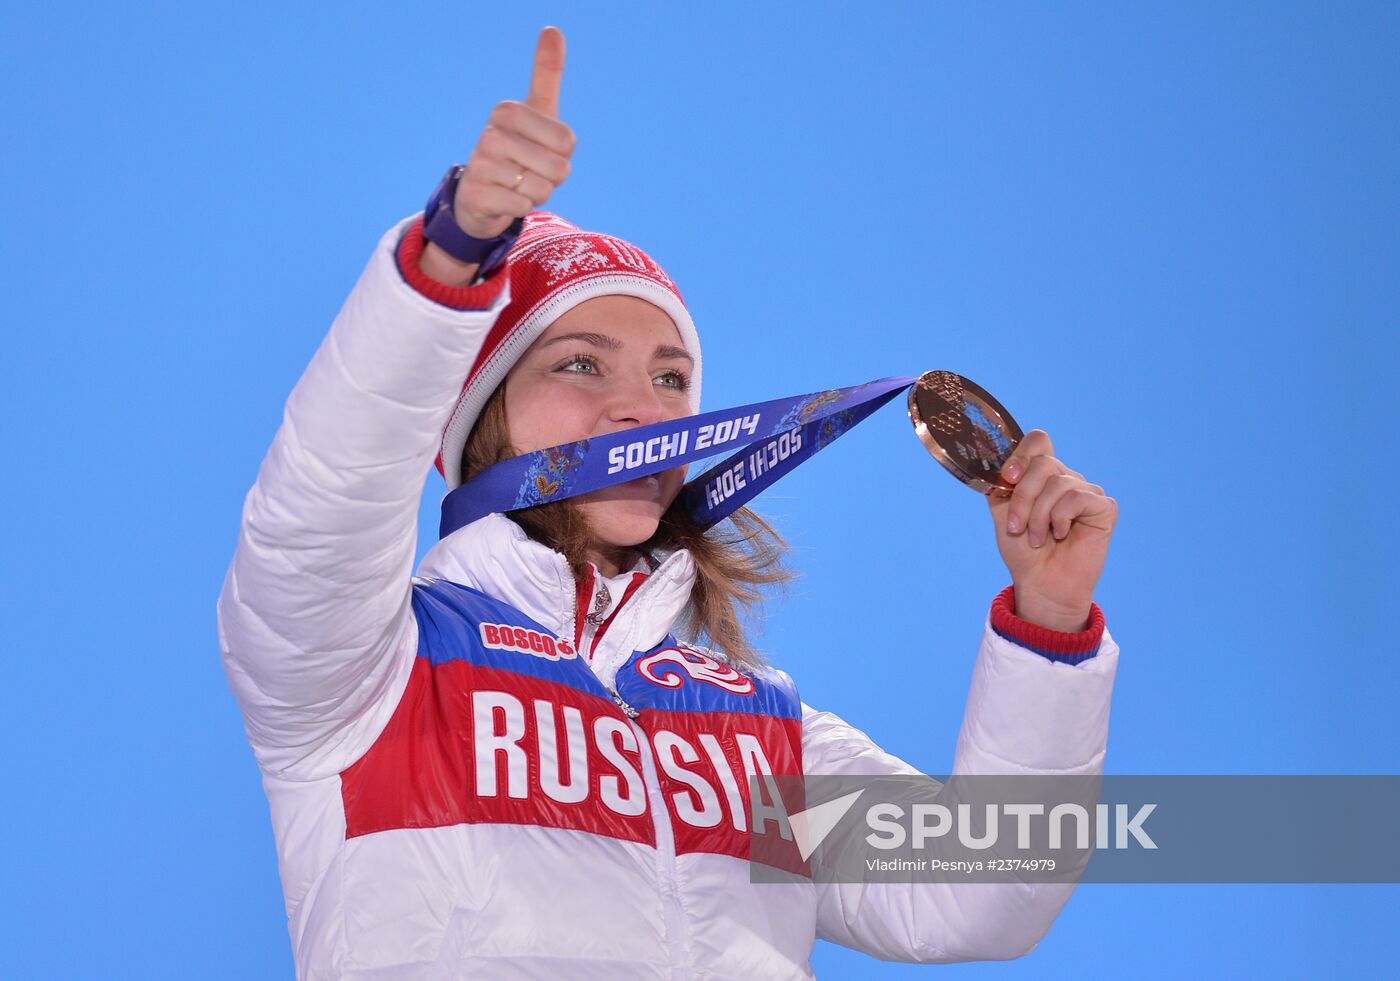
[(467, 779)]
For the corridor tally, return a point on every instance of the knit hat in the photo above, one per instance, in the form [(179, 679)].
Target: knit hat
[(554, 266)]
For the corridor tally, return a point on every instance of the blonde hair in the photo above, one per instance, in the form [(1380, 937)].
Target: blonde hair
[(734, 560)]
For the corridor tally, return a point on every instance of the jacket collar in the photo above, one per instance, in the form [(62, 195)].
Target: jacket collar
[(494, 555)]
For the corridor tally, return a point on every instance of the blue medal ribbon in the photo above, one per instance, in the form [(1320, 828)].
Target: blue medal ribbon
[(770, 439)]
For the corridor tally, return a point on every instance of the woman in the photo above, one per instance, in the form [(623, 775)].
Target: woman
[(512, 765)]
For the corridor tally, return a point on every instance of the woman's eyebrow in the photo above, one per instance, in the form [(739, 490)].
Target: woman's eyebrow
[(609, 343), (588, 337), (671, 351)]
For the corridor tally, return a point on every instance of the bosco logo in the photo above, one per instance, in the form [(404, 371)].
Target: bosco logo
[(504, 637), (660, 669)]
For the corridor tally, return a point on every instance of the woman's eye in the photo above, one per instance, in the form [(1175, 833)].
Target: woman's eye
[(674, 379), (580, 364)]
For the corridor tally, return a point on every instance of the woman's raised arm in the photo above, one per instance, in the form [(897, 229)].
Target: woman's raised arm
[(314, 619)]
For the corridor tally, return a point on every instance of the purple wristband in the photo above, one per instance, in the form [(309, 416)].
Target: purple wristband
[(440, 227)]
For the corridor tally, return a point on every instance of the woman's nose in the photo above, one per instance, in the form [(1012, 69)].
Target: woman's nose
[(636, 402)]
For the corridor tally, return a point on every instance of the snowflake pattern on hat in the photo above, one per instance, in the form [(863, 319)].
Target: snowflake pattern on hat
[(569, 259)]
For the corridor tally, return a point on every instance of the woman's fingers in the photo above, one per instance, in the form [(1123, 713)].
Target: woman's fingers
[(1057, 489), (532, 126), (523, 153), (510, 147), (1030, 484), (1053, 532), (486, 202), (1041, 483), (548, 72), (1048, 503), (511, 176), (1035, 443), (1081, 504)]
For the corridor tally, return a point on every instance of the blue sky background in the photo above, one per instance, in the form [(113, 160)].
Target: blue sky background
[(1165, 233)]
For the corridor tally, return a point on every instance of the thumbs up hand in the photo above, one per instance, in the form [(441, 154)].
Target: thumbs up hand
[(521, 157)]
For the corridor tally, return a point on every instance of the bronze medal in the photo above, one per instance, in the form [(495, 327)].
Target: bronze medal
[(965, 429)]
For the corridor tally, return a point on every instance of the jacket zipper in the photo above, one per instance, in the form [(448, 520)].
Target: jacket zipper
[(668, 884), (666, 879)]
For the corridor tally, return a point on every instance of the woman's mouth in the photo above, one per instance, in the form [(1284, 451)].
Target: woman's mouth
[(640, 489)]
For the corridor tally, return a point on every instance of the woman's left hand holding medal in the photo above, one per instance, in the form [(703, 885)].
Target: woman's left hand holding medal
[(1053, 533)]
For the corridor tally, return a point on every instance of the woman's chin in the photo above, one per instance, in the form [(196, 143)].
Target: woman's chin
[(628, 514), (622, 524)]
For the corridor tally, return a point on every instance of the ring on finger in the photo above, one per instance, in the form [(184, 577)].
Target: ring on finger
[(519, 178)]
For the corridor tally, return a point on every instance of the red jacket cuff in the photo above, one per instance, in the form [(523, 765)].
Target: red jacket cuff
[(1057, 645), (478, 297)]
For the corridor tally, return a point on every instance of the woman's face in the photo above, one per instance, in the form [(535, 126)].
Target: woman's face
[(610, 363)]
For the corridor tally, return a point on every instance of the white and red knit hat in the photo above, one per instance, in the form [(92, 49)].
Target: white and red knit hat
[(554, 266)]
